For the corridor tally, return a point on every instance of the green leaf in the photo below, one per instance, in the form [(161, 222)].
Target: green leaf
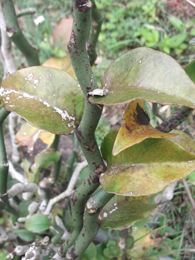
[(190, 70), (121, 212), (148, 167), (37, 223), (25, 235), (177, 23), (174, 41), (177, 149), (148, 74), (42, 161), (48, 98)]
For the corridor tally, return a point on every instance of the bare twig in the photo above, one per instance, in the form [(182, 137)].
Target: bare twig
[(68, 192), (27, 11), (20, 188), (8, 62), (11, 126), (16, 175), (190, 2), (174, 120)]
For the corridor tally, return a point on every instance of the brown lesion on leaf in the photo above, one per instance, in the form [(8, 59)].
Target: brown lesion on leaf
[(141, 117)]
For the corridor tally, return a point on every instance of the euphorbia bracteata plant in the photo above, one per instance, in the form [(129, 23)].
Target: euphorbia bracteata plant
[(141, 160)]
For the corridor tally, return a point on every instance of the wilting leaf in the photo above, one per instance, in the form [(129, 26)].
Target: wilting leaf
[(143, 241), (48, 98), (37, 223), (135, 127), (147, 167), (121, 212), (28, 135), (60, 63), (148, 74)]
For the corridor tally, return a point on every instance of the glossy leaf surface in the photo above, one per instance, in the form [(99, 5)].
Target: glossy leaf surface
[(135, 127), (148, 74), (48, 98), (121, 212), (146, 168)]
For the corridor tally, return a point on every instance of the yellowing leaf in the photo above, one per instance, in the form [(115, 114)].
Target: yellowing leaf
[(135, 127), (144, 179), (28, 135), (61, 64), (148, 74), (122, 212), (143, 241), (148, 167), (48, 98)]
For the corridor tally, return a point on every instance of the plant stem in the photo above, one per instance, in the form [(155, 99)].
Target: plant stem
[(174, 120), (86, 130), (3, 157), (17, 35), (96, 28), (91, 224)]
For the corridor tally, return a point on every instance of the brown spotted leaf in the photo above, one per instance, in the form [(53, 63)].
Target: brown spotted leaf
[(148, 74), (135, 127), (148, 167), (48, 98), (28, 135)]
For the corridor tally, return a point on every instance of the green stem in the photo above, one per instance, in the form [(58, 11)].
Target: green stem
[(3, 155), (91, 115), (17, 35), (91, 224), (96, 28)]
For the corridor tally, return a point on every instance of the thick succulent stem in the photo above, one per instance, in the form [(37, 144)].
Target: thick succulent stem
[(91, 223), (86, 130), (96, 28)]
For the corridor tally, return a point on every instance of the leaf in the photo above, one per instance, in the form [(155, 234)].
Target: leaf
[(25, 235), (48, 98), (190, 70), (177, 23), (148, 74), (135, 128), (60, 63), (37, 223), (28, 135), (175, 149), (146, 168), (143, 241), (42, 161), (144, 179), (122, 212)]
